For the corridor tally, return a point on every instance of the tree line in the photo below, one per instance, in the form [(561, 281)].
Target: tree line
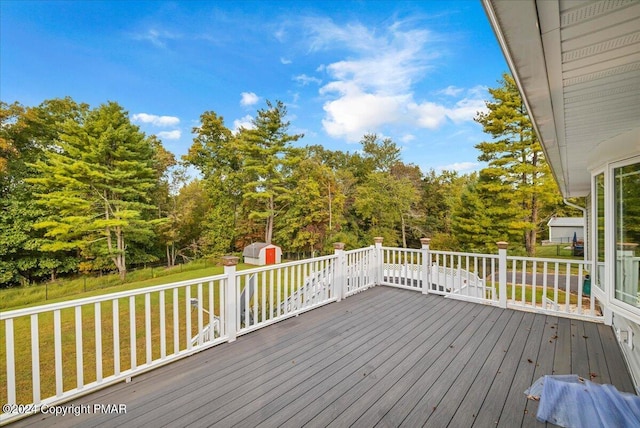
[(83, 189)]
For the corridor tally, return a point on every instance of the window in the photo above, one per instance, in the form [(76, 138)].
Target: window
[(627, 233)]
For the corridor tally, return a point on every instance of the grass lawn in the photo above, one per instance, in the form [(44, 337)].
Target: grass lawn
[(76, 288), (555, 252)]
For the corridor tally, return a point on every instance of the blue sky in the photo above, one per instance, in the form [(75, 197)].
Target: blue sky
[(416, 72)]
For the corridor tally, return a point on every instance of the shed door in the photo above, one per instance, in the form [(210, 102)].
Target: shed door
[(270, 256)]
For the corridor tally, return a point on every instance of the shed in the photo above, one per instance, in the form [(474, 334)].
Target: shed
[(563, 229), (261, 253)]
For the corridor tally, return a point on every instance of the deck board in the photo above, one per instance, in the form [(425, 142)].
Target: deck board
[(383, 357)]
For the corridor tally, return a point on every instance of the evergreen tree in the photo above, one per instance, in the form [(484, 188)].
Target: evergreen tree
[(269, 159), (98, 180), (517, 166)]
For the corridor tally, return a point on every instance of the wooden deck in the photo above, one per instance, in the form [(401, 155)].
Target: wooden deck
[(384, 357)]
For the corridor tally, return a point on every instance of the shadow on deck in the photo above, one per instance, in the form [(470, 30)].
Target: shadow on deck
[(384, 357)]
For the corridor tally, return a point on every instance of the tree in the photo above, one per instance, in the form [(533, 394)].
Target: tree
[(26, 133), (517, 166), (315, 207), (217, 154), (98, 181), (268, 160)]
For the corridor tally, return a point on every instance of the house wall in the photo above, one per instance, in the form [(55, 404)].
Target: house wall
[(625, 320), (631, 354)]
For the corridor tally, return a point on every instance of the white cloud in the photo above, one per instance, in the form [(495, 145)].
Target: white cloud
[(249, 99), (155, 120), (244, 122), (452, 91), (428, 115), (170, 135), (466, 109), (285, 61), (304, 80), (460, 167), (355, 112), (375, 86), (407, 138), (157, 37)]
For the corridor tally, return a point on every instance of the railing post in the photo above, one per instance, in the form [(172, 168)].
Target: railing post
[(231, 297), (338, 276), (426, 270), (502, 273), (379, 276)]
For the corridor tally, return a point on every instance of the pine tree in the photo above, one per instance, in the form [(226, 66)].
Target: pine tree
[(517, 166), (98, 180), (268, 160)]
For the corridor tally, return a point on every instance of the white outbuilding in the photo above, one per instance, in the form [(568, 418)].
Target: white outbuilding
[(563, 229), (261, 253)]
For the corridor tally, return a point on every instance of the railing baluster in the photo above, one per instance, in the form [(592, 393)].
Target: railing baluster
[(279, 291), (176, 325), (222, 287), (11, 361), (556, 284), (534, 284), (97, 313), (580, 272), (147, 326), (212, 332), (163, 325), (545, 270), (57, 340), (132, 332), (286, 290), (200, 314), (187, 315), (263, 294), (271, 286), (524, 283), (35, 358), (567, 294), (115, 313), (79, 356)]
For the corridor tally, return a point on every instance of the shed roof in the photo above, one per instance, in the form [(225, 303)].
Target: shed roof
[(253, 250), (566, 222)]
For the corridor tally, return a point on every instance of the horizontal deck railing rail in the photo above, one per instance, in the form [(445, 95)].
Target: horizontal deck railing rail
[(58, 351)]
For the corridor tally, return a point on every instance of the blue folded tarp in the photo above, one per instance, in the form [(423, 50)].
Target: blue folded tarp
[(570, 401)]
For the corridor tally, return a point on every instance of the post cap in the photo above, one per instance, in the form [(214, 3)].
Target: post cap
[(338, 245), (378, 239), (502, 245), (425, 241), (230, 260)]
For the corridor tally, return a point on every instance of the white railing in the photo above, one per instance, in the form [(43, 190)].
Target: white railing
[(467, 276), (551, 286), (113, 337), (108, 338), (543, 285), (403, 267), (359, 270), (283, 290)]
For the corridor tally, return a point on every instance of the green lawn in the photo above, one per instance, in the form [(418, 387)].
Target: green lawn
[(76, 288)]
